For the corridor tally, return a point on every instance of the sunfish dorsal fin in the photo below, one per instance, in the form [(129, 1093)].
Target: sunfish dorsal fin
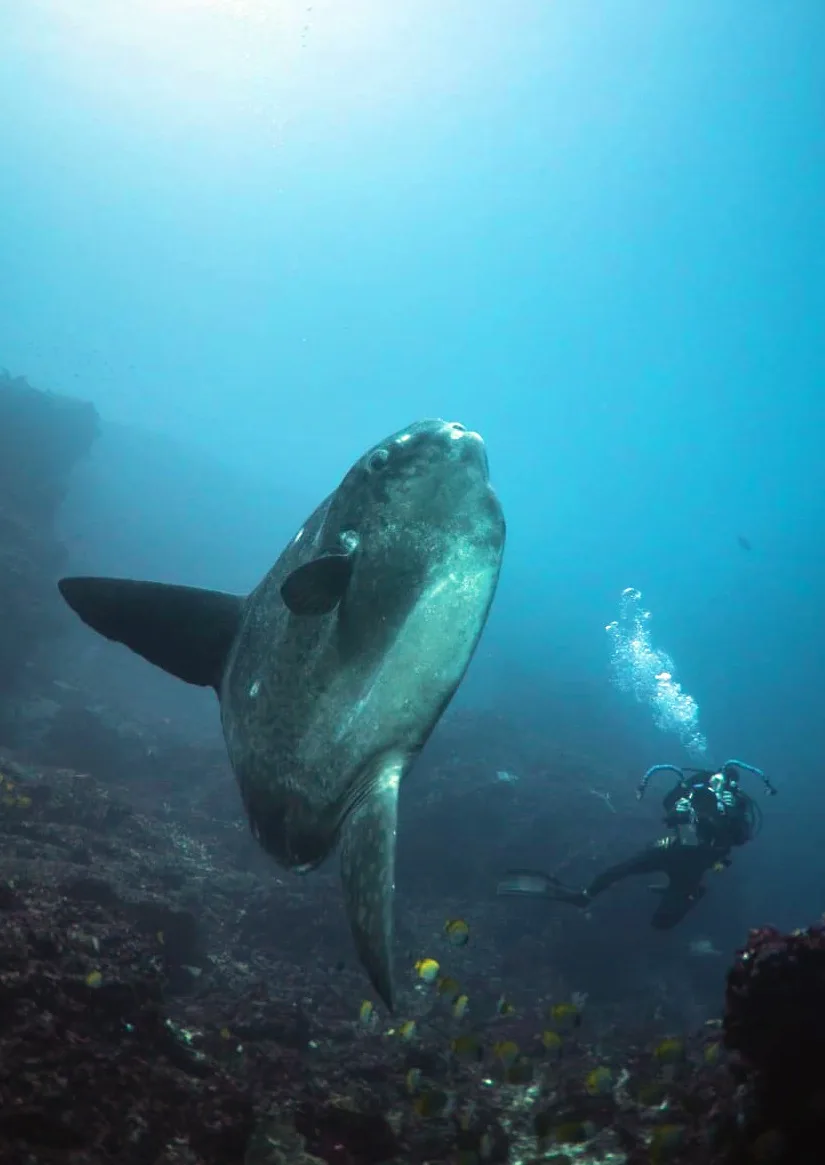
[(184, 630), (368, 876)]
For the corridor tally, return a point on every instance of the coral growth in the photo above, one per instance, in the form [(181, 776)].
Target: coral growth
[(775, 1023)]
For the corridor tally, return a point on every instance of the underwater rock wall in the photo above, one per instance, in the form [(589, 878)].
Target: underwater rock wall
[(42, 437)]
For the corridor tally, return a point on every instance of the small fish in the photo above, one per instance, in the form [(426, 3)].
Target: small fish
[(457, 931), (466, 1116), (745, 543), (549, 1129), (504, 1007), (407, 1030), (427, 969), (712, 1053), (665, 1140), (435, 1102), (467, 1047), (94, 979), (486, 1144), (506, 1051), (669, 1050), (651, 1093), (565, 1016), (413, 1080), (459, 1008), (551, 1040), (574, 1132), (448, 987), (599, 1082), (225, 1033), (366, 1013)]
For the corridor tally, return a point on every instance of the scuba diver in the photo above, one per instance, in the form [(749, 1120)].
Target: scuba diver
[(708, 815)]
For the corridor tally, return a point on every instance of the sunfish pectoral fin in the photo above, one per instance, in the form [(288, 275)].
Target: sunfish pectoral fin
[(317, 587), (368, 875), (184, 630)]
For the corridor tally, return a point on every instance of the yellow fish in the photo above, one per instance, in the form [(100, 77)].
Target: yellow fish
[(551, 1040), (448, 986), (565, 1016), (407, 1030), (665, 1140), (651, 1093), (504, 1007), (712, 1053), (413, 1080), (565, 1132), (669, 1050), (94, 979), (427, 969), (434, 1102), (599, 1082), (506, 1051), (366, 1013), (457, 931), (460, 1007)]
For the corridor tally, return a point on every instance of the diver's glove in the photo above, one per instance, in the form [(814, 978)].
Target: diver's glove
[(534, 883)]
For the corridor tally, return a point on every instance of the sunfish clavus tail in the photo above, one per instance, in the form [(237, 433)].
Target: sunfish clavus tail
[(334, 671)]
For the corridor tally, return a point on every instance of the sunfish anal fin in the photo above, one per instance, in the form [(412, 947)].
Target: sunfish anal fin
[(186, 631), (368, 875)]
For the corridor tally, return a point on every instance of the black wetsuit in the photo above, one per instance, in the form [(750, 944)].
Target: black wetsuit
[(710, 836), (685, 865)]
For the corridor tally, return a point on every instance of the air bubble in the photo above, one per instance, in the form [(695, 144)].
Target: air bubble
[(647, 672)]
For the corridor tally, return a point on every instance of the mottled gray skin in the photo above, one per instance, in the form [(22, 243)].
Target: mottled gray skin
[(323, 716), (330, 685)]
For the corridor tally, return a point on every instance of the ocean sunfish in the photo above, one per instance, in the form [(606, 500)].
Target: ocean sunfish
[(333, 672)]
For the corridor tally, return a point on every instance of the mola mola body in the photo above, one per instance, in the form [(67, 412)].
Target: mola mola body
[(334, 671)]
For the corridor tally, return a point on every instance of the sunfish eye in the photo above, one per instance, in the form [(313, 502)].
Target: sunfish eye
[(378, 460)]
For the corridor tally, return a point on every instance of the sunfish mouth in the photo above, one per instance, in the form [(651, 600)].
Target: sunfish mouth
[(459, 432), (472, 442)]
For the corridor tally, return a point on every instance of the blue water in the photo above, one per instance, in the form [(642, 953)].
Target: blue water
[(275, 232)]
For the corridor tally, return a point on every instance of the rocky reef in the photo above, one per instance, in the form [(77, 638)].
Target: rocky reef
[(168, 996), (775, 1026), (42, 437)]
